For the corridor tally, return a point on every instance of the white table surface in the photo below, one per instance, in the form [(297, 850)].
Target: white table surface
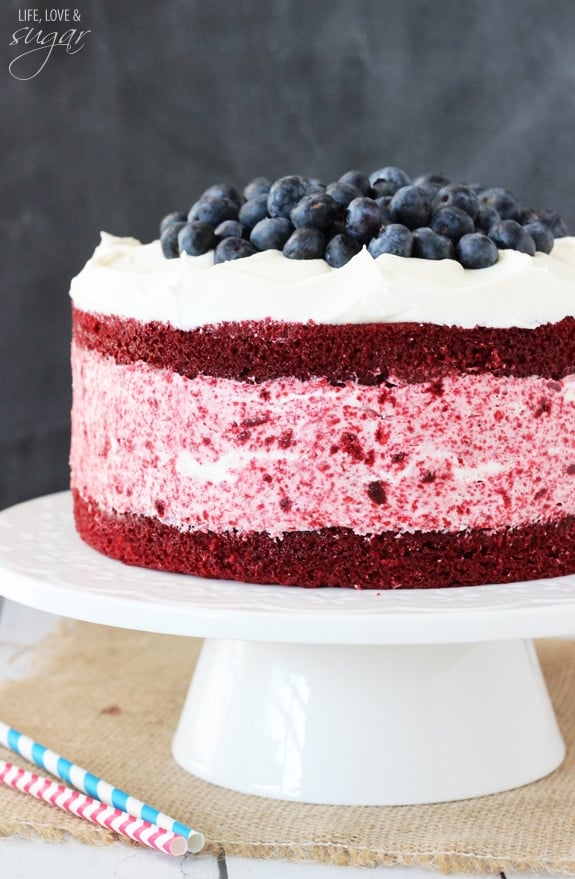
[(20, 629)]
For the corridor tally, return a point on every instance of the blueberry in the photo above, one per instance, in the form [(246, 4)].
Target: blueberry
[(357, 179), (541, 234), (313, 184), (486, 217), (257, 186), (509, 235), (390, 174), (230, 229), (393, 238), (342, 193), (476, 251), (305, 243), (411, 206), (428, 244), (382, 188), (169, 240), (223, 190), (318, 210), (340, 249), (384, 202), (174, 217), (212, 210), (362, 218), (271, 233), (458, 196), (502, 200), (451, 222), (233, 248), (253, 210), (555, 222), (284, 194), (196, 238), (431, 182)]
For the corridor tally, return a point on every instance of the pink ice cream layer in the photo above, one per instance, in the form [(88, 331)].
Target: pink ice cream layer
[(471, 451)]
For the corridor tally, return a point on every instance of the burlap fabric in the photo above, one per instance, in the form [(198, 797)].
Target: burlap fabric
[(110, 699)]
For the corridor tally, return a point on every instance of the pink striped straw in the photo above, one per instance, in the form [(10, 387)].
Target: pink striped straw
[(92, 810)]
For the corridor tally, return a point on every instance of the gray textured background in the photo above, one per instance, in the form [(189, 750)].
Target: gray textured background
[(169, 96)]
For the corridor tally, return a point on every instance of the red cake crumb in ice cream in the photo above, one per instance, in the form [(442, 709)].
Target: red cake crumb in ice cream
[(387, 422)]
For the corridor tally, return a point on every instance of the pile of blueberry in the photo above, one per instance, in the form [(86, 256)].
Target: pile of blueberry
[(429, 217)]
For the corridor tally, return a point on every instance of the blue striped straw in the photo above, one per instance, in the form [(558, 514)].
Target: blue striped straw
[(93, 786)]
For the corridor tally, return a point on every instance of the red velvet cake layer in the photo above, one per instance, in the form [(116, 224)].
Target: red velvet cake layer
[(365, 353), (336, 556)]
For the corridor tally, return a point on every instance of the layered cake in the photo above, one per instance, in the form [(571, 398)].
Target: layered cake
[(369, 384)]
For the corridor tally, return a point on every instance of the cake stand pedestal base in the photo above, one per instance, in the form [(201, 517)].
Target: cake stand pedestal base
[(368, 725)]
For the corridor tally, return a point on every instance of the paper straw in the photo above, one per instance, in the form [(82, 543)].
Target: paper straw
[(92, 810), (93, 786)]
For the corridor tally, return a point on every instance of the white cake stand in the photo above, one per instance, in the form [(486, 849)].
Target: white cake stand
[(329, 695)]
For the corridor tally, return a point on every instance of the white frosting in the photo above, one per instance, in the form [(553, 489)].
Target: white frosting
[(130, 279)]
